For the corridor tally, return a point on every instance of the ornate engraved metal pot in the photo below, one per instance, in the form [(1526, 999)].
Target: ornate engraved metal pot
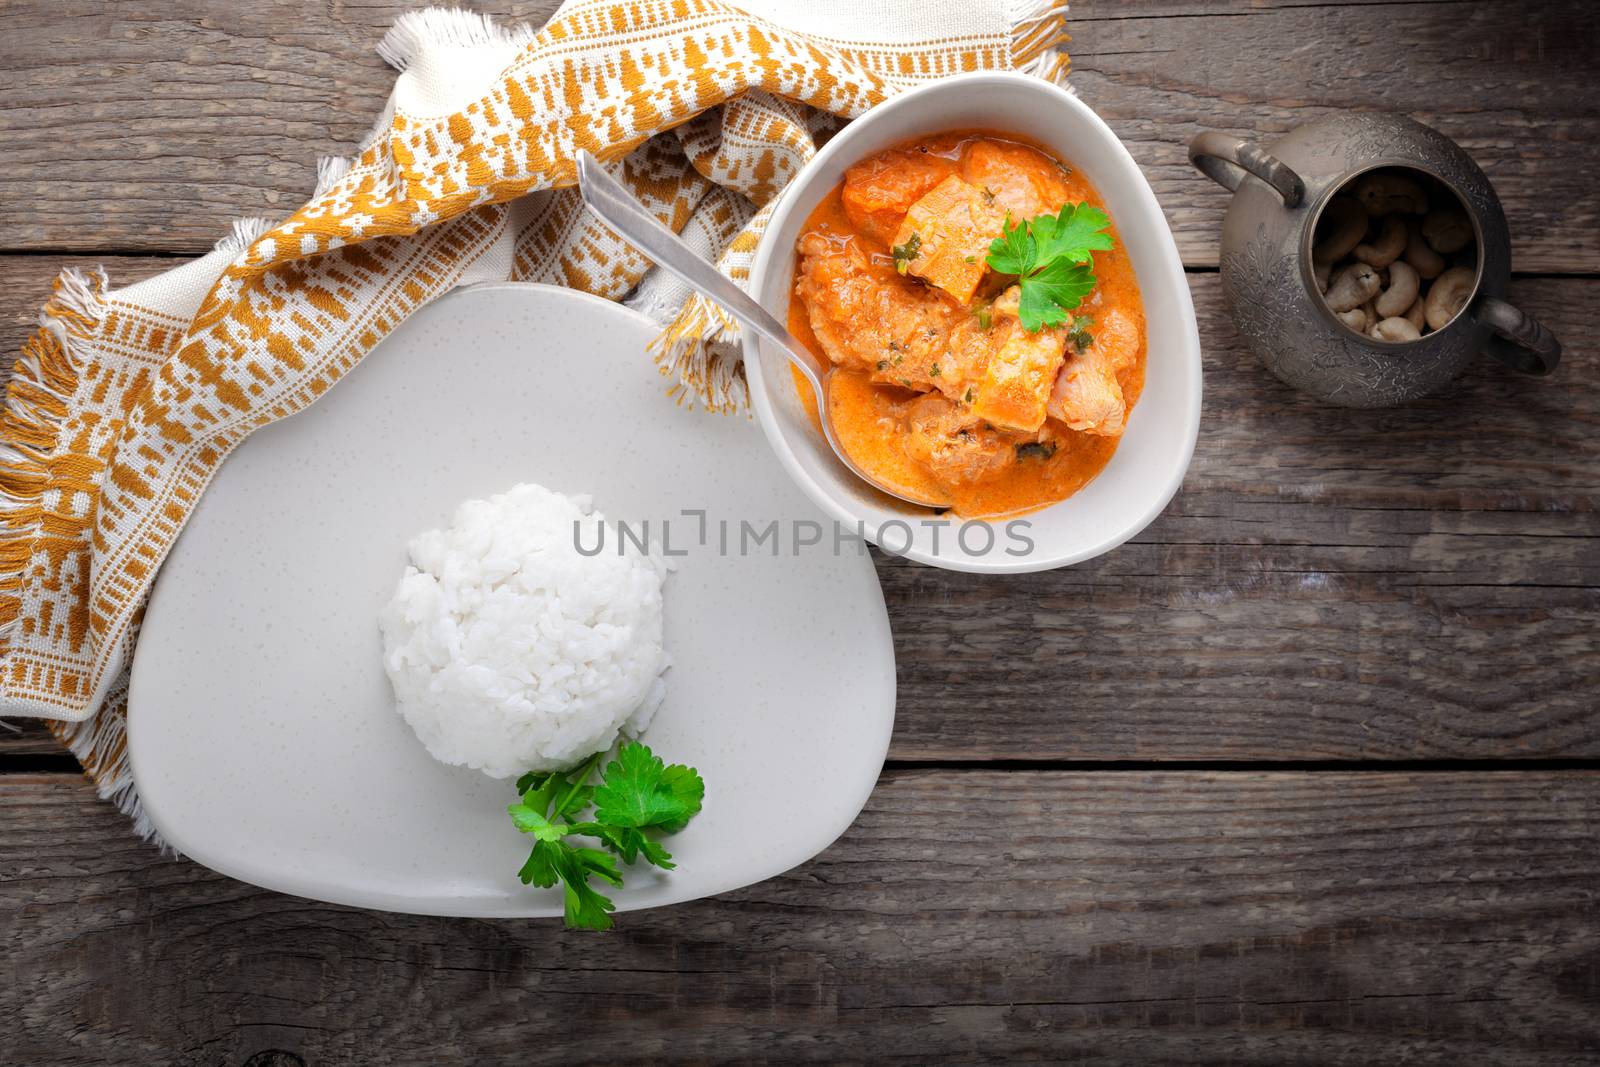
[(1267, 270)]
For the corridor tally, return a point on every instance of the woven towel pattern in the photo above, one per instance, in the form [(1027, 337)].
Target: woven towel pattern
[(125, 403)]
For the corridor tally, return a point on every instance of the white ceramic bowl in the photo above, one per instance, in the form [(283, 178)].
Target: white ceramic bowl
[(1150, 462)]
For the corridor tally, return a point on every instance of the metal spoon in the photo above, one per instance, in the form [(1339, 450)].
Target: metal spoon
[(614, 204)]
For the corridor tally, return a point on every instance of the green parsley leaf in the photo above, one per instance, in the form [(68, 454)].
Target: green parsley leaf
[(586, 908), (533, 780), (530, 821), (1073, 234), (540, 870), (628, 843), (904, 254), (1015, 250), (1047, 294), (541, 789), (642, 796), (640, 791), (1052, 257)]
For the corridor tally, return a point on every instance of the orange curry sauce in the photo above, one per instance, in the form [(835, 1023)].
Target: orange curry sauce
[(939, 388)]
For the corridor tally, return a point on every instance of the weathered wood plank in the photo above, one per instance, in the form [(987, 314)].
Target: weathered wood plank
[(1414, 583), (28, 737), (141, 126), (135, 127), (1497, 77), (25, 285), (995, 917), (1329, 585)]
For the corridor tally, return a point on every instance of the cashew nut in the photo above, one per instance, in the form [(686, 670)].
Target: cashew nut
[(1402, 290), (1343, 225), (1322, 273), (1356, 318), (1384, 191), (1420, 254), (1417, 315), (1352, 287), (1394, 329), (1448, 295), (1447, 229), (1387, 248)]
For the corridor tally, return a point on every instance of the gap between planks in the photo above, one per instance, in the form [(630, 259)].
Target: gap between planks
[(64, 763)]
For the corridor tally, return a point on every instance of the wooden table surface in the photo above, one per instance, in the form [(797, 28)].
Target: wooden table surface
[(1307, 772)]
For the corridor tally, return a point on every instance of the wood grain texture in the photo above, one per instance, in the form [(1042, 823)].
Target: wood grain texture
[(174, 119), (25, 286), (1330, 584), (1497, 77), (1418, 584), (979, 917)]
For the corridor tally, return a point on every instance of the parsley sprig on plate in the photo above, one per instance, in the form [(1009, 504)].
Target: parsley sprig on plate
[(1052, 256), (638, 799)]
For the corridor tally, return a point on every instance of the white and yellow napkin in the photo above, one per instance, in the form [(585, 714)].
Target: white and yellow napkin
[(125, 402)]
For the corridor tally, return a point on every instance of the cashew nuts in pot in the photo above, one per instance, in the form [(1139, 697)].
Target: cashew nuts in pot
[(1420, 254), (1352, 287), (1417, 314), (1343, 226), (1448, 295), (1447, 229), (1384, 191), (1322, 273), (1387, 248), (1395, 329), (1356, 318), (1401, 292)]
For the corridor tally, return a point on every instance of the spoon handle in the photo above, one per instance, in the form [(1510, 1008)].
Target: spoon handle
[(616, 206)]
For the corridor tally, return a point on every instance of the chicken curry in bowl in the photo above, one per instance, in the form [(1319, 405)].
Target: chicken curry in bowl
[(985, 321)]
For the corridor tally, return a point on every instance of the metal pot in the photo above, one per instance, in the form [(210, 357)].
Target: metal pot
[(1266, 261)]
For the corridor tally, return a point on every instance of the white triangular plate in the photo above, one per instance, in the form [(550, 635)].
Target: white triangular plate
[(263, 732)]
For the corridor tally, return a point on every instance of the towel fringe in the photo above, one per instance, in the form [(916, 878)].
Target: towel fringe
[(100, 744), (330, 169), (243, 234), (435, 27), (1038, 37), (699, 350), (43, 379)]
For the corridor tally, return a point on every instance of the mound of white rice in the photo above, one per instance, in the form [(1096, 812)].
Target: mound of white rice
[(511, 651)]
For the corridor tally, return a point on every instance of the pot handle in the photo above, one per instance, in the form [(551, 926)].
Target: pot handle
[(1226, 160), (1537, 351)]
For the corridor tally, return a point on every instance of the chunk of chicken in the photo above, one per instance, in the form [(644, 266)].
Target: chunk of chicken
[(953, 443), (879, 191), (1087, 395), (1021, 180), (1017, 380), (948, 232), (866, 315)]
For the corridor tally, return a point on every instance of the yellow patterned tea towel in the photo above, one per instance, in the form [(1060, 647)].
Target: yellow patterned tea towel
[(125, 402)]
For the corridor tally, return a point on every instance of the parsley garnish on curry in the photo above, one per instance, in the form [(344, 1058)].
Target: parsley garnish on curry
[(986, 322)]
